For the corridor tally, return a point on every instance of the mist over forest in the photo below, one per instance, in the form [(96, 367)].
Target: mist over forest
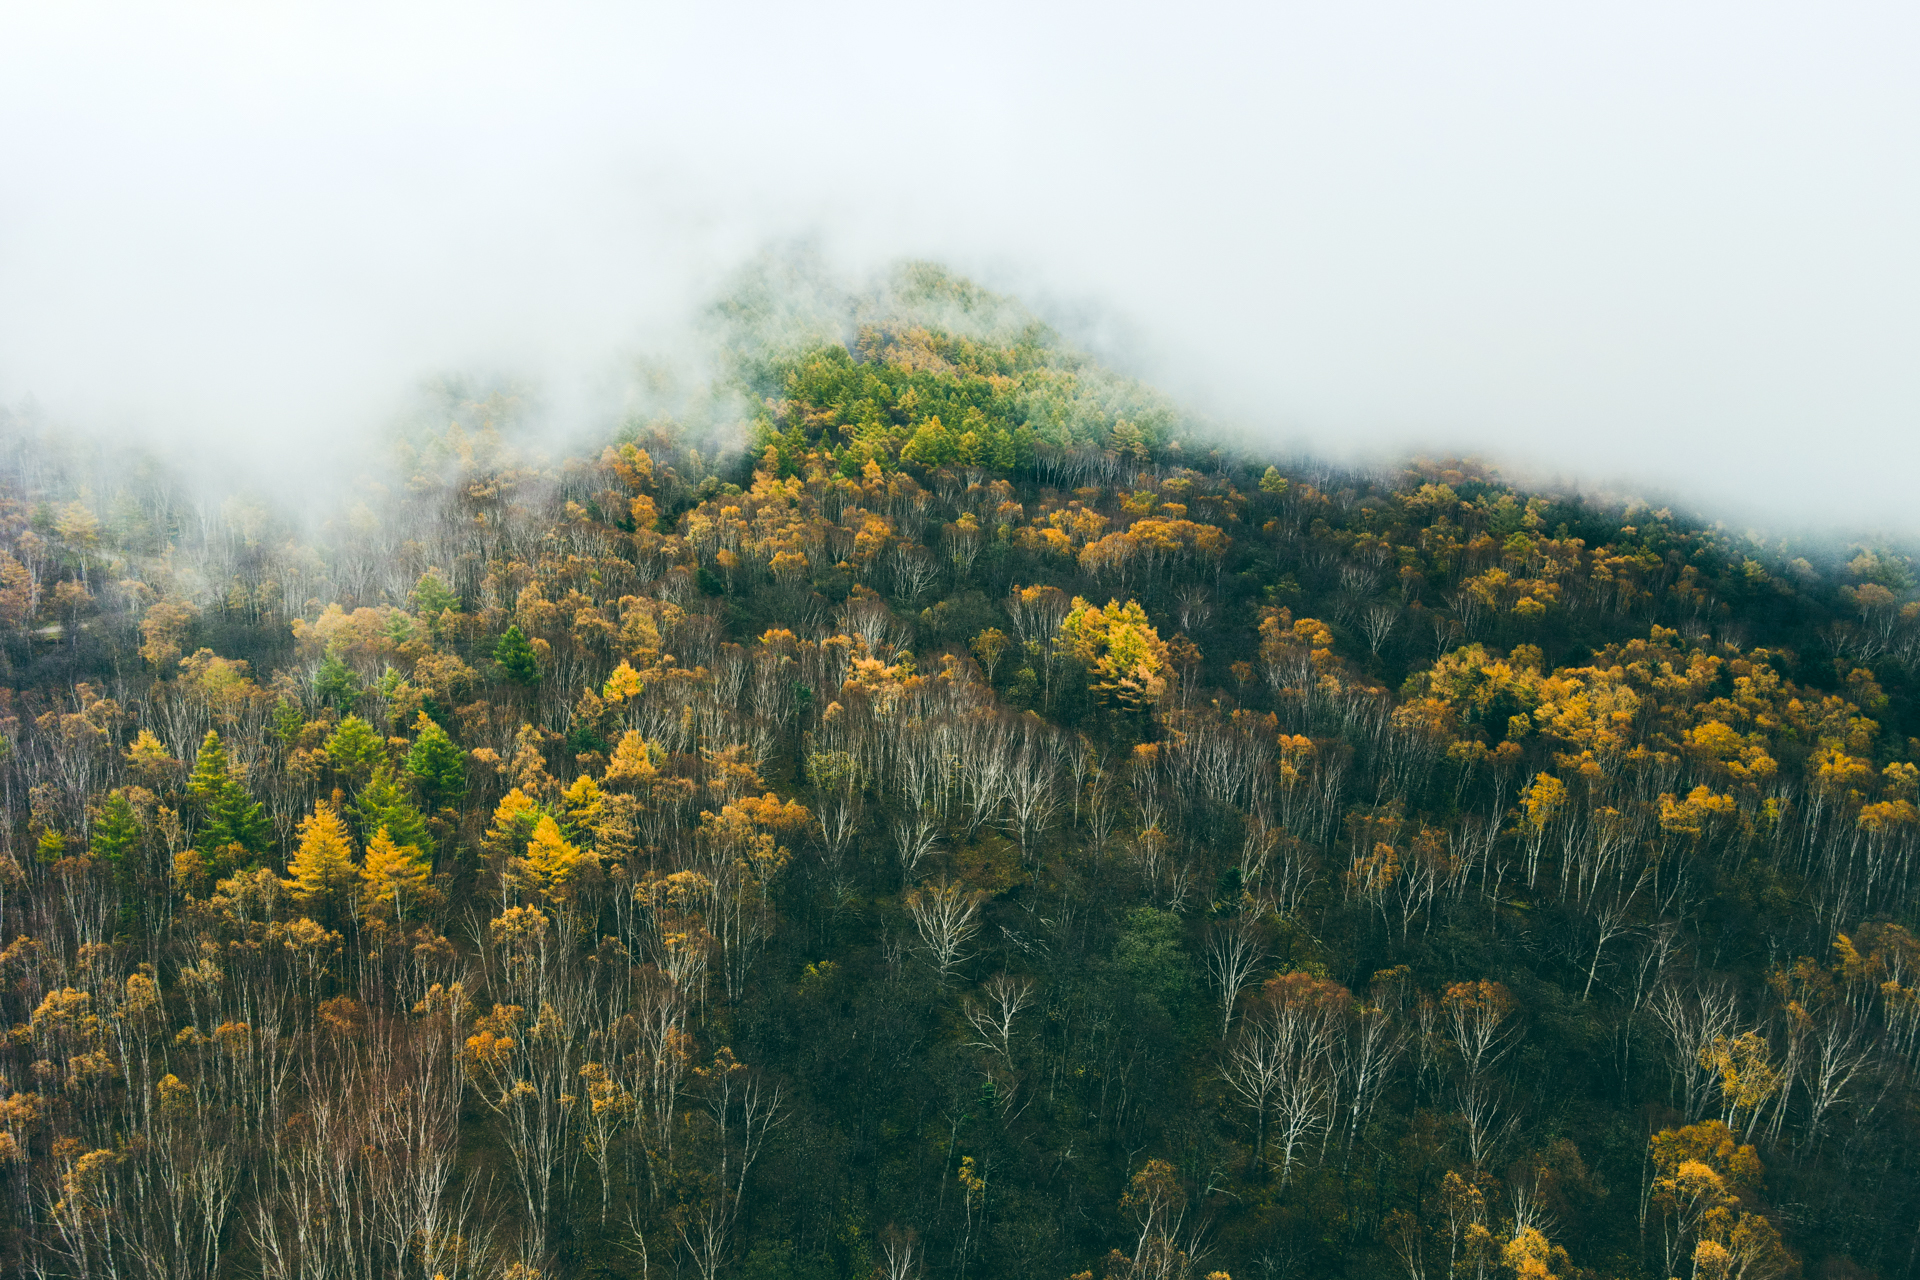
[(883, 793)]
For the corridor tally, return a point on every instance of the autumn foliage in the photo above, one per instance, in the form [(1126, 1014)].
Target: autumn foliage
[(921, 808)]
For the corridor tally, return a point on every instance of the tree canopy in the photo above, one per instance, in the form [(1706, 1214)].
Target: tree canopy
[(924, 806)]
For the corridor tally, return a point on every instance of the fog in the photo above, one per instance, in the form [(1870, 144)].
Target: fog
[(1664, 247)]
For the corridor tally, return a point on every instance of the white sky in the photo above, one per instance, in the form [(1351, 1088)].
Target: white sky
[(1652, 242)]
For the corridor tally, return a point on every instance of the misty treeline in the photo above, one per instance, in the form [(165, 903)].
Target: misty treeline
[(970, 826)]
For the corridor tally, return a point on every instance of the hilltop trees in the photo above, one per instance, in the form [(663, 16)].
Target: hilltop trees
[(1025, 787)]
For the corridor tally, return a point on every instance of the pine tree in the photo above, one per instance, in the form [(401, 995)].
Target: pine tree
[(354, 749), (335, 682), (438, 766), (115, 833), (323, 865), (115, 840), (432, 597), (394, 877), (516, 657), (384, 804), (233, 825)]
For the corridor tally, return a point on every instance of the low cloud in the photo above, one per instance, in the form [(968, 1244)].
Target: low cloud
[(1654, 246)]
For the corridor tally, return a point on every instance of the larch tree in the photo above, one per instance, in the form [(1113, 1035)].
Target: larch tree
[(552, 868), (394, 878), (355, 750), (322, 867)]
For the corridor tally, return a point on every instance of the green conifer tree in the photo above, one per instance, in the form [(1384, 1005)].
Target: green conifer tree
[(516, 657), (233, 825), (384, 802), (335, 682), (287, 722), (354, 749), (115, 833), (115, 840), (432, 597), (438, 766)]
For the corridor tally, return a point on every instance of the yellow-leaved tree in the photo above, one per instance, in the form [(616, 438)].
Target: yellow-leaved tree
[(634, 763), (394, 878), (552, 868), (1702, 1178), (322, 867), (1122, 652), (506, 839)]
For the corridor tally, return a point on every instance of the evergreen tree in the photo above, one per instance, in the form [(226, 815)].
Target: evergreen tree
[(335, 683), (287, 722), (437, 765), (323, 865), (210, 771), (383, 804), (432, 599), (516, 657), (115, 833), (354, 749), (115, 840), (233, 825)]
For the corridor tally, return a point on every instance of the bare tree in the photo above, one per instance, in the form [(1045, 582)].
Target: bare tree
[(1372, 1047), (1033, 796), (914, 573), (1482, 1030), (1613, 918), (1378, 623), (528, 1072), (1236, 946), (993, 1019), (741, 1111), (900, 1253), (1841, 1047), (1195, 607), (946, 914), (1280, 1062), (1103, 804), (1693, 1021), (916, 837)]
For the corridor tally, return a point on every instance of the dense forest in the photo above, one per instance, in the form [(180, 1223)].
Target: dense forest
[(923, 806)]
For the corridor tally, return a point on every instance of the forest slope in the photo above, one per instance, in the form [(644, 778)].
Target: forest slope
[(977, 827)]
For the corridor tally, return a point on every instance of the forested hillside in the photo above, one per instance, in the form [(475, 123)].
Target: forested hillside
[(925, 809)]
